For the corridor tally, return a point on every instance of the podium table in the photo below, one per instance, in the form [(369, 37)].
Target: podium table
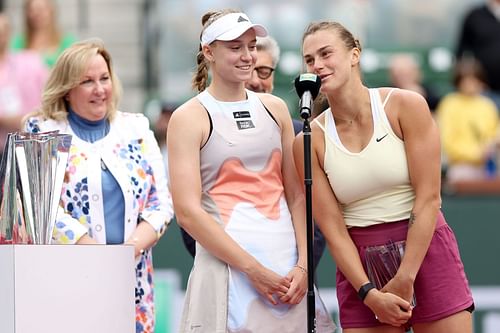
[(67, 288)]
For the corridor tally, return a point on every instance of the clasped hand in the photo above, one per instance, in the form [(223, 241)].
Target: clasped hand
[(276, 288), (391, 304)]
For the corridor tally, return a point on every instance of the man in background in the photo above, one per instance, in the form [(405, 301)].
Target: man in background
[(268, 54)]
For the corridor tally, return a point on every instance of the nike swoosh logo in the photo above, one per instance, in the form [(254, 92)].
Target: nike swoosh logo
[(381, 138)]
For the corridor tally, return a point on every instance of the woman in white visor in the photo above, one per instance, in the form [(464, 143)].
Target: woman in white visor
[(236, 192)]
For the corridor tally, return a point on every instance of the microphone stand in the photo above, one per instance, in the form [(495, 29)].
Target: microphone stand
[(311, 299)]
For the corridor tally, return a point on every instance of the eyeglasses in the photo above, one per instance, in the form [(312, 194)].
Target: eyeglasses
[(264, 72)]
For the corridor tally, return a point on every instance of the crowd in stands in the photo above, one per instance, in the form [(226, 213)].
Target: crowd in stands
[(26, 57), (469, 132)]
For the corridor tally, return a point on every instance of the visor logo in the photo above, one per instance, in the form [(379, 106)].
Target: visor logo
[(242, 19)]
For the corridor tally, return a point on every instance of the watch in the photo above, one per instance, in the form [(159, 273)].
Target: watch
[(363, 291)]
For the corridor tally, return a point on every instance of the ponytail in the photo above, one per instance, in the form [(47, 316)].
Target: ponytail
[(200, 78)]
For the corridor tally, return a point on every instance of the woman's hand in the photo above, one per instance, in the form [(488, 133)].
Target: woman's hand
[(400, 286), (388, 308), (298, 286), (268, 283), (86, 240), (144, 237)]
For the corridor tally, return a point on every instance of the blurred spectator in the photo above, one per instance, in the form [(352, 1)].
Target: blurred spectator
[(405, 73), (22, 76), (268, 55), (468, 123), (41, 31), (480, 38)]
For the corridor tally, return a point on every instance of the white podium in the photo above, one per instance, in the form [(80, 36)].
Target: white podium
[(67, 288)]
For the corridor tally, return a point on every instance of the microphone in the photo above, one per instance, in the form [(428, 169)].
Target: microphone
[(307, 86)]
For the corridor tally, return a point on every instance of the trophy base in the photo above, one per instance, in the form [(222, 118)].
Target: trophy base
[(88, 288)]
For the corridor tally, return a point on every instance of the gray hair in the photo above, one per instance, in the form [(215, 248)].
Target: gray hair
[(269, 44)]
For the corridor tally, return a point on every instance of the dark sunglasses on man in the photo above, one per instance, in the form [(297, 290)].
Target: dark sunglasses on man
[(264, 72)]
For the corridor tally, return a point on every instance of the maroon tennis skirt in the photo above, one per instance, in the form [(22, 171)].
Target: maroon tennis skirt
[(441, 287)]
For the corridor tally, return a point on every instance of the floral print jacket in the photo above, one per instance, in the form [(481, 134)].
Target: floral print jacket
[(132, 155)]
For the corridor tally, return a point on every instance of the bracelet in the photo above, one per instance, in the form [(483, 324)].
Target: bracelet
[(304, 270), (363, 291)]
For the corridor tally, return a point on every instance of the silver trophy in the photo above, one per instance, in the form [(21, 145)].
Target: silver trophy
[(8, 193), (35, 165)]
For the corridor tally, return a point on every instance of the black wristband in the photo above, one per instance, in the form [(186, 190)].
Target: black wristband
[(363, 291)]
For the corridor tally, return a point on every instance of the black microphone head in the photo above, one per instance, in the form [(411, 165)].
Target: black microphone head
[(308, 82)]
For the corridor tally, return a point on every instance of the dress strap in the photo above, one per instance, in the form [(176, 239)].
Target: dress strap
[(387, 97), (316, 121)]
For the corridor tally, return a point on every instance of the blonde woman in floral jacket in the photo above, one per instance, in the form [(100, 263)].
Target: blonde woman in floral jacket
[(115, 189)]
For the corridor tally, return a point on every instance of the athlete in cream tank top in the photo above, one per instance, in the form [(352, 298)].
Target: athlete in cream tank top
[(372, 186)]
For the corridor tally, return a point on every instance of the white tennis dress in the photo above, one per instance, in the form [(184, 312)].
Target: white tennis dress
[(242, 189)]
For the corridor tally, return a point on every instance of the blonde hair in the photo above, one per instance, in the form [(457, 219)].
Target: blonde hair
[(200, 77), (55, 35), (345, 35), (67, 73)]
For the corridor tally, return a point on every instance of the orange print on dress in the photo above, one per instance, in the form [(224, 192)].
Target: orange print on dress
[(236, 184)]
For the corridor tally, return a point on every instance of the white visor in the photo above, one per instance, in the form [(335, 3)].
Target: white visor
[(230, 27)]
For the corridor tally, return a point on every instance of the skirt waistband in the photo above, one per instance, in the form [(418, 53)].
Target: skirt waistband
[(394, 231)]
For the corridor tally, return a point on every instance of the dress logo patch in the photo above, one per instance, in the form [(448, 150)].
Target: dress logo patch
[(241, 114), (245, 124)]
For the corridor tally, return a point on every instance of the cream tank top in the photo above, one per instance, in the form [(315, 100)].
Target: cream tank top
[(372, 186)]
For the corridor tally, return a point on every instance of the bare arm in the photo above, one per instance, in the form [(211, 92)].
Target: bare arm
[(294, 197), (187, 131), (329, 218), (421, 139), (143, 237), (327, 213)]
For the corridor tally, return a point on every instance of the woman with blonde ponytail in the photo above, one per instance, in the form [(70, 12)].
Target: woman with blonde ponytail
[(375, 160), (236, 192)]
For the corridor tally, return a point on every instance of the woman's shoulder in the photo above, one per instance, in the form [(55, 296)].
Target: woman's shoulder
[(190, 117), (36, 122), (271, 100), (401, 98), (190, 108), (397, 93), (275, 105)]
